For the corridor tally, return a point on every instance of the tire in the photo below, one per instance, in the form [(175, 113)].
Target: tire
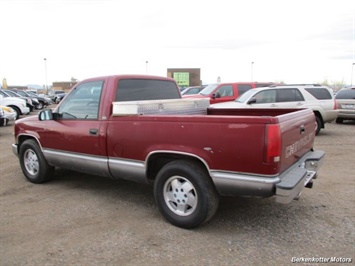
[(319, 124), (339, 120), (195, 200), (33, 164), (40, 105)]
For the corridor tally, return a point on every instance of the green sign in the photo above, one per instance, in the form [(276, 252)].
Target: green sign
[(182, 78)]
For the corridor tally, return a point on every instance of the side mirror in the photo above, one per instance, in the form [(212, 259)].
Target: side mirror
[(45, 115), (252, 100), (216, 95)]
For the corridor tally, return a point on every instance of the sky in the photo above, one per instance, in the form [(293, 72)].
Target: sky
[(299, 41)]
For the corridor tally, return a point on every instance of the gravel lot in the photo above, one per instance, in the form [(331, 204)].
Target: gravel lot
[(79, 219)]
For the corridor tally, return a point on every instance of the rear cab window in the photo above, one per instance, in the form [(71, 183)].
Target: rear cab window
[(146, 89)]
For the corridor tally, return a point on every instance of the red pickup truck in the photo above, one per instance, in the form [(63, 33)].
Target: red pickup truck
[(226, 92), (138, 128)]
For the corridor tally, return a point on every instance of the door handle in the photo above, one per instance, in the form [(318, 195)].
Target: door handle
[(302, 129), (93, 131)]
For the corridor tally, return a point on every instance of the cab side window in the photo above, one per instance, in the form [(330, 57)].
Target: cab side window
[(289, 95), (82, 102), (268, 96), (225, 90)]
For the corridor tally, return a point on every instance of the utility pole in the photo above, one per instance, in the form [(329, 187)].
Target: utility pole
[(45, 69)]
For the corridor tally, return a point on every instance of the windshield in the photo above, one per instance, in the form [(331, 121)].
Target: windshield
[(207, 91), (4, 94), (245, 96), (32, 93), (14, 94)]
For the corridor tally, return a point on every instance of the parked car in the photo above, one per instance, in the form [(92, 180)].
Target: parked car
[(53, 94), (30, 103), (42, 98), (43, 102), (316, 97), (2, 118), (226, 92), (19, 105), (9, 113), (346, 104), (192, 90), (60, 97)]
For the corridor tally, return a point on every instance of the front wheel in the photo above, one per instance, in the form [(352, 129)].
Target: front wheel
[(40, 105), (185, 194), (33, 164), (17, 110)]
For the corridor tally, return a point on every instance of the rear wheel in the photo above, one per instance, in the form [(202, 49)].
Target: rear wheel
[(185, 194), (33, 164)]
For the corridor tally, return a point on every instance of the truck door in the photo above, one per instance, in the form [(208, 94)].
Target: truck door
[(75, 139)]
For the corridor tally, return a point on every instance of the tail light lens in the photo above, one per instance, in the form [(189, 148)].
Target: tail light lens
[(335, 104), (273, 143)]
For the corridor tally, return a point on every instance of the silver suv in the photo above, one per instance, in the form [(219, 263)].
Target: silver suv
[(346, 104), (316, 97)]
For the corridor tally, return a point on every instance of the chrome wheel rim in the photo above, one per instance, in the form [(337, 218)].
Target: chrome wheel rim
[(180, 196), (31, 162)]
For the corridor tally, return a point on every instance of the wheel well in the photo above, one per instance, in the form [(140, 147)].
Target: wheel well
[(16, 108), (157, 161), (23, 138)]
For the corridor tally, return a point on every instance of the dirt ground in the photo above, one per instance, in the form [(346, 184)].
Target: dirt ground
[(78, 219)]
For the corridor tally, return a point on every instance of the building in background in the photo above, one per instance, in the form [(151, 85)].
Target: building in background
[(64, 85), (185, 77), (21, 88)]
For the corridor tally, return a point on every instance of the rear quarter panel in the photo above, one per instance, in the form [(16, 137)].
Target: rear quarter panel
[(225, 143)]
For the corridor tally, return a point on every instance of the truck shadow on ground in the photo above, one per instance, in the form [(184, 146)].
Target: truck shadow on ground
[(233, 212)]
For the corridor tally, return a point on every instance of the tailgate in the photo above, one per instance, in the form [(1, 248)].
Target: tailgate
[(297, 136)]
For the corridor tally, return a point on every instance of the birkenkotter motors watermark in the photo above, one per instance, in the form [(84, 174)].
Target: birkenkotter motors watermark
[(321, 260)]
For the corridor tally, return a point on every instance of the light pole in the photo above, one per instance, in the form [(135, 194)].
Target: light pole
[(352, 73), (252, 71), (146, 67), (45, 69)]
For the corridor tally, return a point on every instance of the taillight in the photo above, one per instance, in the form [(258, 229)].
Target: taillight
[(273, 143), (335, 104)]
